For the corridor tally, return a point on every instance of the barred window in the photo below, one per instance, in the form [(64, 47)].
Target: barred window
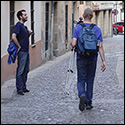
[(12, 12), (81, 2), (32, 22), (47, 26), (66, 22)]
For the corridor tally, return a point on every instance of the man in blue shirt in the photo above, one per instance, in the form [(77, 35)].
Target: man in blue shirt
[(86, 65), (20, 37)]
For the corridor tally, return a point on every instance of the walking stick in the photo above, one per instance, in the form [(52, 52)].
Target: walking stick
[(71, 66)]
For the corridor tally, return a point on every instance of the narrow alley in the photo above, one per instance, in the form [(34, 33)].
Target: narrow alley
[(48, 101)]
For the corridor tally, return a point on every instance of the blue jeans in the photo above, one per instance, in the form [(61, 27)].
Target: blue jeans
[(86, 67), (22, 70)]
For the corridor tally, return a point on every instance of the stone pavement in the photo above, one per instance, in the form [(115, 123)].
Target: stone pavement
[(48, 101)]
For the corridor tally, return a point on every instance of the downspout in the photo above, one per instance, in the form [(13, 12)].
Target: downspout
[(116, 17), (72, 18), (51, 41)]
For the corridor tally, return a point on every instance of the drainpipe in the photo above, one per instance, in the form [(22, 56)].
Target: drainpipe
[(51, 41), (72, 18), (116, 17)]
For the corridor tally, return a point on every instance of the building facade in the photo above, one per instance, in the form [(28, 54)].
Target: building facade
[(52, 23), (118, 11), (8, 20)]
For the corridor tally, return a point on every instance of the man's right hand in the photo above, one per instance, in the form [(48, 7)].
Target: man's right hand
[(103, 66), (14, 38), (18, 49), (73, 43)]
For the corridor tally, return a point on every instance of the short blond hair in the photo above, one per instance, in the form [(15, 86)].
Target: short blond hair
[(88, 13)]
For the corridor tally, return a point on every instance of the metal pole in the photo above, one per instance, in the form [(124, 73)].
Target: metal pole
[(51, 41), (116, 18), (72, 17)]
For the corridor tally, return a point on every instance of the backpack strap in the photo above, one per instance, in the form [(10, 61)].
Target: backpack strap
[(83, 25), (92, 25)]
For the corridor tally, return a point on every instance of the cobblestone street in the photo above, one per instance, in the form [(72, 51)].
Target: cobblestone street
[(48, 101)]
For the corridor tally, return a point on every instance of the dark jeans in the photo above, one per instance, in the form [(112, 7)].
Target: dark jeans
[(86, 67), (22, 70)]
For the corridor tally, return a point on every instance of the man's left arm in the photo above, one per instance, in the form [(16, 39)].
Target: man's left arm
[(101, 51)]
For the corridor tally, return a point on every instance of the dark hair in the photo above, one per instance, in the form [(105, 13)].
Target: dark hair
[(19, 13)]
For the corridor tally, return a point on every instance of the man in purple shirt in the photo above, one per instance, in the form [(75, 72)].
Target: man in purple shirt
[(86, 65)]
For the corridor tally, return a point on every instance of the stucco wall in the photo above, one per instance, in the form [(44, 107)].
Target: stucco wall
[(4, 27)]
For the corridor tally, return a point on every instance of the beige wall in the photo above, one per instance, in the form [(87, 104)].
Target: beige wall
[(119, 7), (5, 17), (37, 16), (61, 27), (4, 27), (103, 18), (9, 71), (59, 43)]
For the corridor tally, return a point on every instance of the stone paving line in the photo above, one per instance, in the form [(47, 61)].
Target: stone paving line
[(51, 106)]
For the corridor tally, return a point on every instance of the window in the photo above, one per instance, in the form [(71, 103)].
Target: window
[(122, 15), (55, 31), (12, 12), (47, 26), (88, 3), (32, 22), (121, 24), (66, 22), (81, 2), (118, 24)]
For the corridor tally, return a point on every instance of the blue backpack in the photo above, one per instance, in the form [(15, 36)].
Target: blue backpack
[(87, 41)]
